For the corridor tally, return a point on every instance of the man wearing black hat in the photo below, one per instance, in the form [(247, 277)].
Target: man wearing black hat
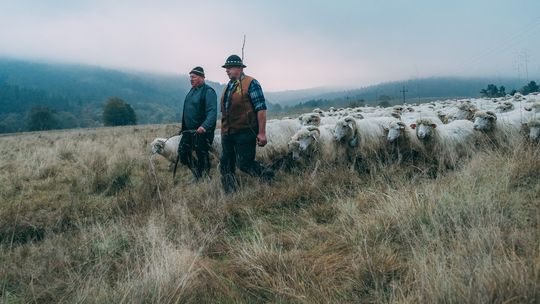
[(198, 124), (243, 125)]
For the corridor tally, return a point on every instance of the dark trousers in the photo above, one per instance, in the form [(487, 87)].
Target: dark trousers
[(200, 143), (239, 149)]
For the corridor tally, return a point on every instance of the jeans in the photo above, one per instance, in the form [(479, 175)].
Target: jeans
[(200, 143), (239, 149)]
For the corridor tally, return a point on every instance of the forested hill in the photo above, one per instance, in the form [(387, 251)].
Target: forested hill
[(417, 90), (82, 90)]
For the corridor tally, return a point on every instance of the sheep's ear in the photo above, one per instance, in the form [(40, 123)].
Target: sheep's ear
[(385, 129), (434, 126), (413, 126)]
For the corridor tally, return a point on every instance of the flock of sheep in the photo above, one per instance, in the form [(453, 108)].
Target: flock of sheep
[(441, 132)]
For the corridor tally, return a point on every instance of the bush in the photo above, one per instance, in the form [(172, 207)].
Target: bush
[(41, 119), (118, 113)]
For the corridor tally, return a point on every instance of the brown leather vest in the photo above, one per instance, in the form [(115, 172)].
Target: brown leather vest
[(240, 116)]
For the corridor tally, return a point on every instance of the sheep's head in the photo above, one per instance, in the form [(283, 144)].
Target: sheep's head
[(357, 115), (505, 107), (318, 111), (157, 146), (310, 119), (535, 107), (466, 111), (484, 121), (425, 128), (533, 127), (304, 141), (345, 128), (398, 109), (394, 130), (396, 114), (294, 149), (443, 117)]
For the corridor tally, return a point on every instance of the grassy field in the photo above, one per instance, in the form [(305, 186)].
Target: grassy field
[(86, 218)]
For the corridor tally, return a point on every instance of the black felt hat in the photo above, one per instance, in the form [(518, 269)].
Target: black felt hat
[(197, 71), (233, 61)]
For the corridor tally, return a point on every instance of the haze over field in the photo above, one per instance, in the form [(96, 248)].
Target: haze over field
[(290, 45)]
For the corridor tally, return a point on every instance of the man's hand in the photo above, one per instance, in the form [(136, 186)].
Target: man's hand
[(261, 137), (261, 140), (201, 130)]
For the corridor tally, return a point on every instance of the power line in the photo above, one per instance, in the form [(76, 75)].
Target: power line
[(526, 59), (501, 47), (404, 91)]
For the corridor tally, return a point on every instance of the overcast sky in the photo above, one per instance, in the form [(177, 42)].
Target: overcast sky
[(290, 44)]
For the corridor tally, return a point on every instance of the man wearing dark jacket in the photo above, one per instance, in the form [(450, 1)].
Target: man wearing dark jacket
[(198, 124), (243, 125)]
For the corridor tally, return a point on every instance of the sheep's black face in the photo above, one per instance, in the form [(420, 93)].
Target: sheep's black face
[(157, 147), (534, 133)]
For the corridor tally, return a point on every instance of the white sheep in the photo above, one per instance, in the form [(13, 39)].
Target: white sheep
[(466, 111), (502, 124), (319, 111), (534, 107), (402, 140), (532, 130), (310, 119), (519, 97), (314, 119), (278, 134), (485, 121), (166, 147), (313, 142), (363, 138), (445, 143), (506, 106)]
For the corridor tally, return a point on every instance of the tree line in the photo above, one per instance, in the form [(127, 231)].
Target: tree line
[(492, 91)]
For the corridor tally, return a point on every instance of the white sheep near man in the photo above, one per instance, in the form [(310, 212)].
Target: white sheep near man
[(313, 142), (166, 147), (364, 138)]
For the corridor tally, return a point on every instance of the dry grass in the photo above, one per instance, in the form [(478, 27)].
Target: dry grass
[(83, 218)]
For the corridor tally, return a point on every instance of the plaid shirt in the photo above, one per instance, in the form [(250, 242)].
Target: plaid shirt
[(255, 93)]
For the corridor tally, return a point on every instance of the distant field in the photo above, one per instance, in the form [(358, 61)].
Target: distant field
[(86, 217)]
